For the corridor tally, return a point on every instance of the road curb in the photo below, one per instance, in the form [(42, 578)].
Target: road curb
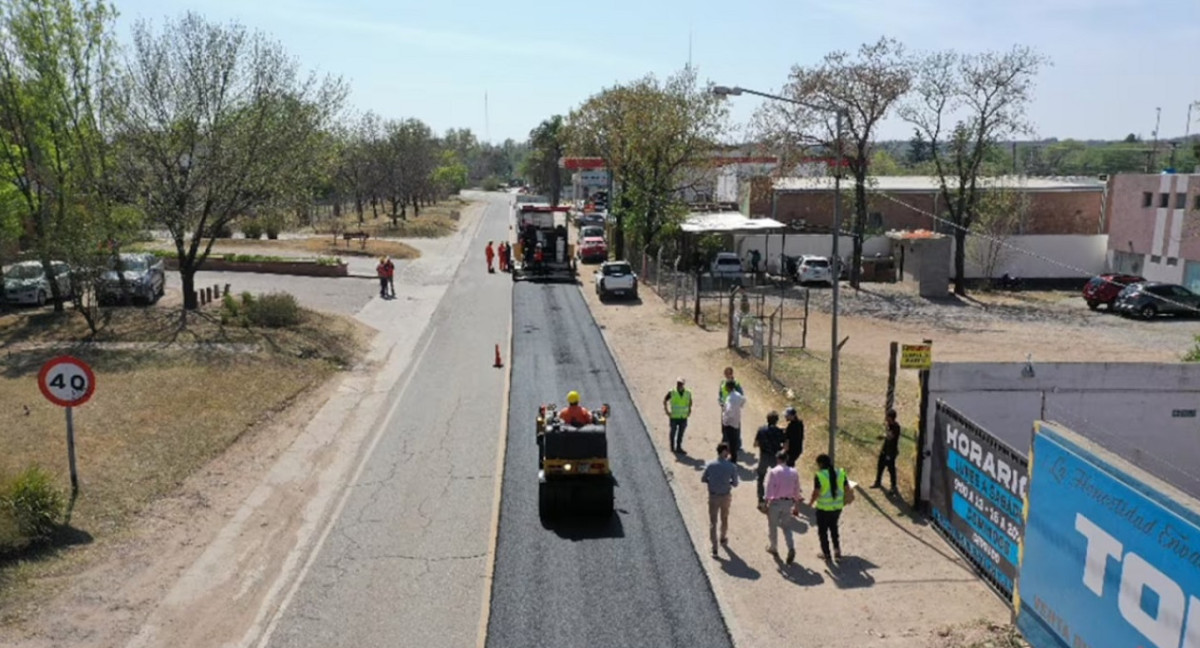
[(714, 586), (498, 473)]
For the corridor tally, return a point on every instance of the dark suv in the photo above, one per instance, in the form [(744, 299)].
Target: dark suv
[(1152, 298), (1103, 290)]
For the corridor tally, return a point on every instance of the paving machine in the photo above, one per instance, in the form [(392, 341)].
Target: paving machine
[(543, 250), (573, 470)]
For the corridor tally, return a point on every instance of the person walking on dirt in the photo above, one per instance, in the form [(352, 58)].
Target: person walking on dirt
[(389, 269), (678, 406), (829, 495), (794, 435), (889, 451), (381, 270), (769, 441), (726, 388), (491, 255), (721, 476), (783, 498), (731, 420)]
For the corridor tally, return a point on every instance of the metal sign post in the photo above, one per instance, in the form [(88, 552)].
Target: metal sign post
[(68, 382)]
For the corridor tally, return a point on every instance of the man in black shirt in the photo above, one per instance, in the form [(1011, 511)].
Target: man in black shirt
[(887, 454), (769, 441), (794, 435)]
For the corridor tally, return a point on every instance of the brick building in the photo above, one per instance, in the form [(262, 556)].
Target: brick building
[(1154, 226), (1057, 206)]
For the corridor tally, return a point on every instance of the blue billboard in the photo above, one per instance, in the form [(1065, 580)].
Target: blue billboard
[(977, 486), (1111, 554)]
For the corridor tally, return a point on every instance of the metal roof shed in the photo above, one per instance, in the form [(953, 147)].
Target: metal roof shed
[(728, 223)]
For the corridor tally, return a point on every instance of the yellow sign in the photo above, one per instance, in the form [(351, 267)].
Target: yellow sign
[(916, 356)]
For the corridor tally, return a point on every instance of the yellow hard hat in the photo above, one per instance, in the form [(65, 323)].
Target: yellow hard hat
[(573, 398)]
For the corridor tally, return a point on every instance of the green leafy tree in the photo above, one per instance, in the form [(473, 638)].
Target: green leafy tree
[(213, 120), (547, 145), (918, 149), (653, 136), (451, 175), (965, 105)]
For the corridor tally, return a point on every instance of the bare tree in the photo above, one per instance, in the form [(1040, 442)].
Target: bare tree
[(866, 86), (1001, 212), (213, 119), (965, 104)]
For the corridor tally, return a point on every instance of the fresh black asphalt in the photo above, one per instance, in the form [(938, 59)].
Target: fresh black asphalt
[(633, 581)]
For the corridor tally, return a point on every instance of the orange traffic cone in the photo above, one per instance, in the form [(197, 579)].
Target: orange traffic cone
[(499, 363)]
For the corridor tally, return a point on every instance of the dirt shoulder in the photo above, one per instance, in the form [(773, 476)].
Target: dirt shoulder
[(900, 583)]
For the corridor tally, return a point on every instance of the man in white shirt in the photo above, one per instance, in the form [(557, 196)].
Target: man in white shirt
[(731, 420)]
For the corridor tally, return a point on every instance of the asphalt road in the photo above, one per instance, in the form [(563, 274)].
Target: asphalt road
[(404, 564), (634, 581)]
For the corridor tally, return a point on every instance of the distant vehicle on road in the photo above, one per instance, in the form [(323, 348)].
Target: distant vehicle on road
[(616, 278), (591, 218), (1102, 290), (592, 249), (145, 279), (813, 269), (591, 231), (1151, 299), (26, 282), (542, 249)]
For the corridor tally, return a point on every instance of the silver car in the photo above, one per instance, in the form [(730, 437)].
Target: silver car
[(26, 282), (144, 274)]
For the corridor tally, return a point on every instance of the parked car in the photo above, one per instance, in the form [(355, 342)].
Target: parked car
[(592, 249), (591, 231), (1151, 299), (1102, 290), (813, 269), (145, 279), (616, 278), (26, 282), (591, 218), (726, 265)]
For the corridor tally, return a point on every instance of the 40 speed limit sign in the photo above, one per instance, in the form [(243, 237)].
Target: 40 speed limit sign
[(67, 381)]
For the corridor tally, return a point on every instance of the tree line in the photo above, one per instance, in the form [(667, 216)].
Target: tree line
[(657, 137), (192, 127)]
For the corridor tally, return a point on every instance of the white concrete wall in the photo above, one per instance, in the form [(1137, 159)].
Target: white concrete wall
[(1045, 256), (1127, 407), (771, 245)]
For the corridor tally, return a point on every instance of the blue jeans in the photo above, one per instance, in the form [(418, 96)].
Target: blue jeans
[(677, 428)]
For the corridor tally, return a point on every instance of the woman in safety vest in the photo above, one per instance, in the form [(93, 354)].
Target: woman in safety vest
[(829, 495)]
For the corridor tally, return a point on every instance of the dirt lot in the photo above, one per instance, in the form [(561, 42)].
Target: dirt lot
[(169, 399), (901, 584)]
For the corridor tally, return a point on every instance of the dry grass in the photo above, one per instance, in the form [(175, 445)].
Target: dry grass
[(158, 414), (435, 221), (325, 246)]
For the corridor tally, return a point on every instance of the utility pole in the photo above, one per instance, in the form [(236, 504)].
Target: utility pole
[(1154, 155)]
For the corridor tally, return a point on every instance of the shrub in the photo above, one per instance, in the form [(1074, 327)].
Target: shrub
[(34, 504), (273, 224), (329, 261), (491, 183), (253, 229), (1193, 354), (273, 310)]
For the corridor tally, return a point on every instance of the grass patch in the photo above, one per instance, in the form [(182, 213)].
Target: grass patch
[(326, 245), (435, 221), (158, 414)]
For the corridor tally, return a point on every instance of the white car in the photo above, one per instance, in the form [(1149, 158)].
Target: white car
[(616, 278), (26, 282), (813, 269), (727, 265)]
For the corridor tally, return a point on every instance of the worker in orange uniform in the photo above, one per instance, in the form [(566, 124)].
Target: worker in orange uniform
[(574, 414), (490, 253), (381, 270), (501, 252)]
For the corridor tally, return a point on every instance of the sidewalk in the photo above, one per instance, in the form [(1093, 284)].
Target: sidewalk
[(899, 584)]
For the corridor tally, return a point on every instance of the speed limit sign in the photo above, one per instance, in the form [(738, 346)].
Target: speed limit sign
[(67, 381)]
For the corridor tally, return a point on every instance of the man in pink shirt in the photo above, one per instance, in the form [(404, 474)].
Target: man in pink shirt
[(783, 497)]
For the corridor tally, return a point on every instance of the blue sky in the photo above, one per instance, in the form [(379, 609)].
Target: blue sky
[(1114, 61)]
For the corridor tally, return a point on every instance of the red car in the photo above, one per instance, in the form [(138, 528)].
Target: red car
[(593, 249), (1104, 289)]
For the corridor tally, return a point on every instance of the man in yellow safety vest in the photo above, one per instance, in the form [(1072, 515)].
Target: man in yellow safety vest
[(678, 406), (829, 495)]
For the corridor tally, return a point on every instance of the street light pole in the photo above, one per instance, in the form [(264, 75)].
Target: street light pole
[(836, 270)]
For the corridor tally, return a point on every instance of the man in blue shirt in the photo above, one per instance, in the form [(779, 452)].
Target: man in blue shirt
[(721, 476)]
